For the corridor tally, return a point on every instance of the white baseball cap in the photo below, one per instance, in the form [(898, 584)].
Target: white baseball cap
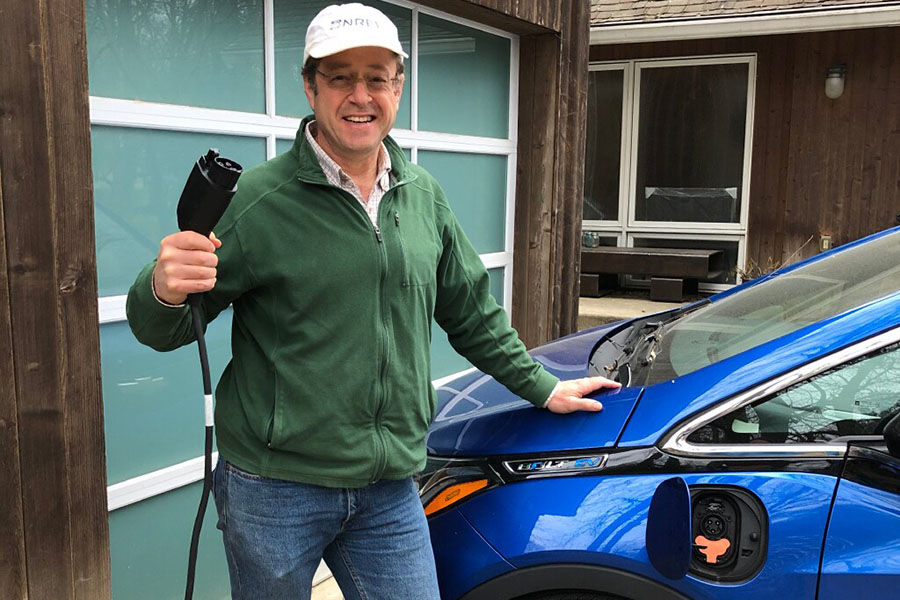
[(340, 27)]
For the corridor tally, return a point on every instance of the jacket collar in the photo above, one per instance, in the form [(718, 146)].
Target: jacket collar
[(309, 170)]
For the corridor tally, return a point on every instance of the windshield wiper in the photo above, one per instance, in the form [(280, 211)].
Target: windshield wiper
[(635, 340), (652, 341), (623, 375)]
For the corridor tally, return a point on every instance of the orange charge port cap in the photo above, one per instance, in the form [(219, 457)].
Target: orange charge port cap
[(712, 549)]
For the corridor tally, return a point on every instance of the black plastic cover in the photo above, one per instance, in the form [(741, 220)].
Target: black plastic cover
[(207, 193)]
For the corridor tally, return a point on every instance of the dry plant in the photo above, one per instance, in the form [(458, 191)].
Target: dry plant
[(753, 269)]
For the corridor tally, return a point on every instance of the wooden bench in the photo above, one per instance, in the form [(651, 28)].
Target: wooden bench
[(673, 272)]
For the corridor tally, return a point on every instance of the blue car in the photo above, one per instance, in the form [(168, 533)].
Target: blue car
[(748, 454)]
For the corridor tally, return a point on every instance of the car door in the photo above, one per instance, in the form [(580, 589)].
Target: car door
[(791, 447), (861, 548), (860, 557)]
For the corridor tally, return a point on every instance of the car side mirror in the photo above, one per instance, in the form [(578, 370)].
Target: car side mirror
[(668, 534), (892, 436)]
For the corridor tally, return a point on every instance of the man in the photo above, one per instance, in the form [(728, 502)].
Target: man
[(335, 257)]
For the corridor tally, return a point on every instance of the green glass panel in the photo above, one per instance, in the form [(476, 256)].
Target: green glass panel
[(180, 52), (292, 17), (153, 401), (148, 547), (282, 146), (475, 185), (444, 359), (463, 79), (138, 177), (497, 284)]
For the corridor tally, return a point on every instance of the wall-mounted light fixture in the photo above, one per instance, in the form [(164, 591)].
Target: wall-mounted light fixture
[(834, 81)]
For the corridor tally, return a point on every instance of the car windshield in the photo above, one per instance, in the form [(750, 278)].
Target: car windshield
[(768, 310)]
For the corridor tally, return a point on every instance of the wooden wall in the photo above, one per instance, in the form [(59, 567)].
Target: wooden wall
[(53, 518), (550, 14), (550, 162), (523, 17), (819, 166)]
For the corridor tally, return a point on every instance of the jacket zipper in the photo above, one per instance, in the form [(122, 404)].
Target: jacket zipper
[(380, 449), (403, 274)]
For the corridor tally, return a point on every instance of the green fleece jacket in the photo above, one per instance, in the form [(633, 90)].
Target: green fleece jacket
[(329, 381)]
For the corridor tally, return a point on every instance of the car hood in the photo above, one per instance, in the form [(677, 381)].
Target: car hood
[(476, 416)]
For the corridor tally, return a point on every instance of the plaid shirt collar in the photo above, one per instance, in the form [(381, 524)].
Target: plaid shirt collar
[(336, 175)]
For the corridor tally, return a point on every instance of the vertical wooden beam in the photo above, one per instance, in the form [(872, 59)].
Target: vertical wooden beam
[(524, 292), (12, 537), (50, 279), (569, 162), (28, 218), (550, 178), (536, 192), (75, 289)]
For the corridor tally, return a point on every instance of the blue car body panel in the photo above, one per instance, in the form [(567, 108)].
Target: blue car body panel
[(477, 416), (457, 570), (510, 429), (602, 521), (862, 551)]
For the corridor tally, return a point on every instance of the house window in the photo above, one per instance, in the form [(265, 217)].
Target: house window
[(604, 144), (668, 154)]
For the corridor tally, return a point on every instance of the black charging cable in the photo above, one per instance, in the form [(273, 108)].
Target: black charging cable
[(206, 195)]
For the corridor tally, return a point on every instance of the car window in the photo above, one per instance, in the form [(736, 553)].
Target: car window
[(773, 308), (853, 399)]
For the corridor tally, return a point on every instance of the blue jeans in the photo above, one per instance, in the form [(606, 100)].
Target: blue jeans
[(374, 539)]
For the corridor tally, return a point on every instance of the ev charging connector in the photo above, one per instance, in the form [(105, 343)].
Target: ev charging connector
[(207, 193)]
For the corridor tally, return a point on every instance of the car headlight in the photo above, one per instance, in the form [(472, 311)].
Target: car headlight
[(447, 481)]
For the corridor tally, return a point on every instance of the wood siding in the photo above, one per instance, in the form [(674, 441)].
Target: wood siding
[(523, 17), (544, 13), (550, 179), (54, 530), (819, 166), (553, 49), (568, 169), (531, 286)]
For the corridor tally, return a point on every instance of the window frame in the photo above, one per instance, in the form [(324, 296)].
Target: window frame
[(619, 223), (676, 442), (681, 235), (626, 225)]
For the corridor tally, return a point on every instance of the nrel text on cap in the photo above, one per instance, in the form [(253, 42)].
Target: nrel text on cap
[(340, 27)]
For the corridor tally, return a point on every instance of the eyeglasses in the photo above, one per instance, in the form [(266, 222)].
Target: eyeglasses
[(342, 82)]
